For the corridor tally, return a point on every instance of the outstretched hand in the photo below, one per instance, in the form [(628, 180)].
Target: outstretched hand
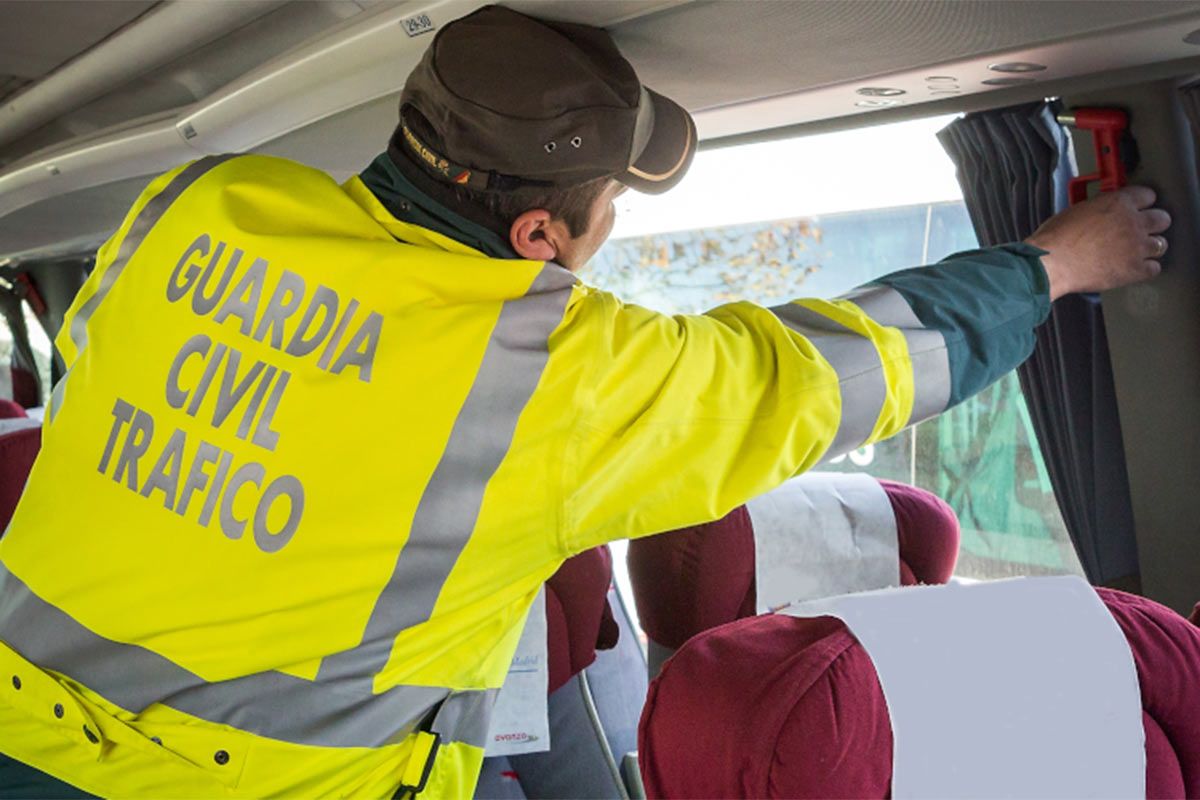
[(1109, 241)]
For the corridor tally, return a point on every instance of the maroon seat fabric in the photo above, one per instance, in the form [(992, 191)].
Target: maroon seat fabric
[(579, 620), (690, 580), (928, 532), (24, 387), (775, 706), (10, 409), (18, 450)]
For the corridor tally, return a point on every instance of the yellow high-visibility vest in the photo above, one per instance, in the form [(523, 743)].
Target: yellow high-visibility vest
[(310, 464)]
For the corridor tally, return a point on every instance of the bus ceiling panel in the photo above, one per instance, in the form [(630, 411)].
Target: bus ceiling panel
[(714, 54), (141, 149), (1153, 330), (363, 59), (72, 224), (342, 144), (185, 51), (37, 38), (961, 104), (360, 62), (1156, 37), (154, 39), (743, 65)]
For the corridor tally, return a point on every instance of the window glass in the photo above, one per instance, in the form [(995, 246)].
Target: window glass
[(6, 345), (815, 217), (42, 350)]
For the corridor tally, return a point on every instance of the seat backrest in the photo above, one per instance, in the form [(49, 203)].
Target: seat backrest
[(18, 450), (690, 580), (778, 706)]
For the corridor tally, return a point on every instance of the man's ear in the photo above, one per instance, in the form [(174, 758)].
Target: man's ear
[(536, 235)]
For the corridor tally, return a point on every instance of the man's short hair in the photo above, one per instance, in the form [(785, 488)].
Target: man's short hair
[(573, 204)]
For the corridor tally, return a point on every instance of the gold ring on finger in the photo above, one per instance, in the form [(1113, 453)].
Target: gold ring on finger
[(1160, 246)]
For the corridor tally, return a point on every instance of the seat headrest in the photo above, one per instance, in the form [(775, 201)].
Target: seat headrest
[(778, 706), (579, 620), (10, 409), (693, 579), (928, 530), (18, 450)]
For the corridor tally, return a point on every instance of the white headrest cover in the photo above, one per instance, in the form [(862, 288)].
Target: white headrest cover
[(1022, 688), (11, 424), (823, 534)]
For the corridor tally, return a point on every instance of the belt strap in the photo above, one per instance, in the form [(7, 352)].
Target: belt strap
[(420, 764)]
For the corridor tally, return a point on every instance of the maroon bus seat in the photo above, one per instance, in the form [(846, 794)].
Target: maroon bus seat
[(693, 579), (778, 706), (24, 387), (10, 409), (18, 450), (579, 620)]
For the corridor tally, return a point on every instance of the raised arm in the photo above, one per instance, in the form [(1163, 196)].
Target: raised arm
[(685, 417)]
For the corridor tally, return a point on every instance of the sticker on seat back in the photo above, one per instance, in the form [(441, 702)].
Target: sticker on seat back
[(520, 720)]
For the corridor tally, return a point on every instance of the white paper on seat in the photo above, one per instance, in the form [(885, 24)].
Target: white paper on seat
[(520, 720), (823, 534), (1023, 688)]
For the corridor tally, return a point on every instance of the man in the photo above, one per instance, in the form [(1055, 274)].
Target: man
[(323, 444)]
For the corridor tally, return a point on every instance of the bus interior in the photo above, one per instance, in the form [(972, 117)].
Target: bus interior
[(840, 141)]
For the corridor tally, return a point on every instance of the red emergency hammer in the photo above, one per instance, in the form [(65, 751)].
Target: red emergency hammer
[(1107, 126)]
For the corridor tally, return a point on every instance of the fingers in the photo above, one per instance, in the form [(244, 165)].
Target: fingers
[(1155, 220), (1140, 196)]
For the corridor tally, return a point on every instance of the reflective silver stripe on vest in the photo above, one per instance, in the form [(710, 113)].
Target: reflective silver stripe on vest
[(271, 704), (57, 395), (926, 347), (146, 219), (860, 373), (465, 717), (511, 368)]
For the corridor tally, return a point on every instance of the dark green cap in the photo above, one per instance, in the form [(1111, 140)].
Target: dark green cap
[(504, 100)]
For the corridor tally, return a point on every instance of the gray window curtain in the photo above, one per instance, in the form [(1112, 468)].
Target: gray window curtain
[(1013, 166), (1189, 98)]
